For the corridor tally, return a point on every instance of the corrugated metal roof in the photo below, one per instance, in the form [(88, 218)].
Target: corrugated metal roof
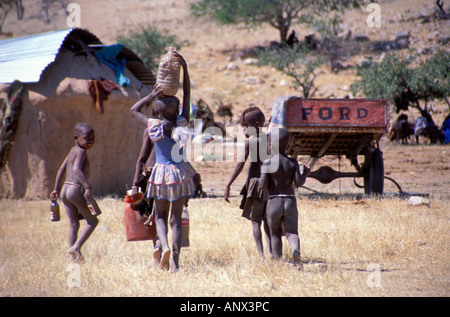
[(25, 58)]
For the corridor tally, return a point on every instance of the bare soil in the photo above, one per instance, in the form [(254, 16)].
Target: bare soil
[(411, 244), (218, 76)]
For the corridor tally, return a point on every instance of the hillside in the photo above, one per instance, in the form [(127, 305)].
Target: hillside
[(352, 245), (218, 75), (214, 73)]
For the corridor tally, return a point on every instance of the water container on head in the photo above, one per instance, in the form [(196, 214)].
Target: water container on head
[(169, 73)]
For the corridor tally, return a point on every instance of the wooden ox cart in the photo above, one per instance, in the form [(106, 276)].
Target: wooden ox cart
[(344, 127)]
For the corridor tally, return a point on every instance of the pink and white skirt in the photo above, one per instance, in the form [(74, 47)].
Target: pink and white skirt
[(171, 181)]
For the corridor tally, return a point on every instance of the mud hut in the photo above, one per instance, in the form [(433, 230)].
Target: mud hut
[(61, 78)]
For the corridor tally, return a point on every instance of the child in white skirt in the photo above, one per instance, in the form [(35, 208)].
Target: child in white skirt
[(171, 181)]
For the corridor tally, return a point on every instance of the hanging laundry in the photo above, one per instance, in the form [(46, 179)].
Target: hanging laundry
[(108, 56), (99, 90)]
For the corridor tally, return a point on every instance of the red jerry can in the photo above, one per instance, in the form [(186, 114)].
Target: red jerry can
[(135, 227)]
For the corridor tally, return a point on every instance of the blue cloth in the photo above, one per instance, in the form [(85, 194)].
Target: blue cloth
[(447, 136), (446, 129), (108, 56)]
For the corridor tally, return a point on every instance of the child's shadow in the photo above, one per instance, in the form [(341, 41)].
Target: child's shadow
[(314, 265)]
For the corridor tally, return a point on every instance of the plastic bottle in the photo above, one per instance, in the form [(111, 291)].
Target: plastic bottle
[(169, 73), (93, 207), (54, 209), (185, 228)]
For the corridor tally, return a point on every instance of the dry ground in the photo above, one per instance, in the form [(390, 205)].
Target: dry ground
[(209, 55), (351, 245), (342, 241), (342, 234)]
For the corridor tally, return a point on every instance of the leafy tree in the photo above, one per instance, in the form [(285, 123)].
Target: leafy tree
[(395, 79), (388, 79), (149, 44), (6, 6), (433, 79), (51, 8), (328, 25), (48, 9), (296, 62), (280, 14)]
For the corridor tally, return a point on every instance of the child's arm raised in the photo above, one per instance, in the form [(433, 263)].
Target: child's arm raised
[(186, 88), (136, 108)]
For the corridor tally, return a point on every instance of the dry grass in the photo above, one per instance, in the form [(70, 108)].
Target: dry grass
[(339, 239)]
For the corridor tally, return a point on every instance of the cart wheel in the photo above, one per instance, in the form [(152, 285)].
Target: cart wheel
[(374, 179)]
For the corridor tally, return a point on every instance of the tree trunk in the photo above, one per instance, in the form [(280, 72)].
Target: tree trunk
[(283, 34), (283, 25), (417, 105)]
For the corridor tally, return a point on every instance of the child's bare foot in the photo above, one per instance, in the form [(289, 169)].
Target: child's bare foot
[(174, 269), (76, 255), (262, 258), (165, 257), (156, 257), (297, 260)]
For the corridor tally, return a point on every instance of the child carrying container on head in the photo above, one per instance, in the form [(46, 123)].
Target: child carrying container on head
[(144, 206), (76, 190), (253, 202), (171, 181), (279, 182)]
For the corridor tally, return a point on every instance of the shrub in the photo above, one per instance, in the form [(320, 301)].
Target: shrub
[(149, 44), (296, 62), (395, 79)]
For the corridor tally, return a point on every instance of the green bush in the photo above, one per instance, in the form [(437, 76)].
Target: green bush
[(280, 14), (297, 62), (149, 44), (395, 78)]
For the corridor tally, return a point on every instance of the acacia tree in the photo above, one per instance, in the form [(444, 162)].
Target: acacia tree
[(296, 62), (6, 6), (48, 9), (280, 14), (395, 79), (433, 79), (149, 43)]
